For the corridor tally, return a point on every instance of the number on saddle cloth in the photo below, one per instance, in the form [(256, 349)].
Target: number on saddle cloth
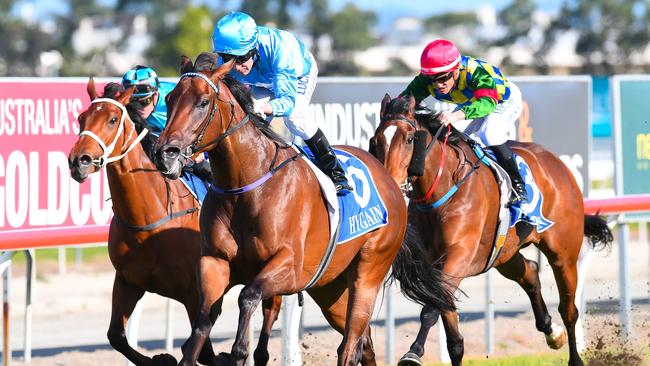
[(362, 210)]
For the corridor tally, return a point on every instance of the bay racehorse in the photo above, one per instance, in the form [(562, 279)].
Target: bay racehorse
[(265, 221), (455, 206), (154, 234)]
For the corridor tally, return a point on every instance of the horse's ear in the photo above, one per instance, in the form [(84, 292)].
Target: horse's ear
[(186, 65), (384, 103), (224, 69), (411, 102), (90, 88), (126, 96)]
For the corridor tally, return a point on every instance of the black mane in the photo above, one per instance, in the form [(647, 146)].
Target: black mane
[(112, 90), (426, 117), (209, 61)]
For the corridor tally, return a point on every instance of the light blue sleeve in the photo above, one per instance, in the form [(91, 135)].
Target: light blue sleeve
[(289, 60)]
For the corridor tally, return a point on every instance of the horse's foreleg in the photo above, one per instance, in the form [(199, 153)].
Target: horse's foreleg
[(524, 272), (276, 277), (125, 297), (271, 310), (333, 301), (428, 318), (214, 276)]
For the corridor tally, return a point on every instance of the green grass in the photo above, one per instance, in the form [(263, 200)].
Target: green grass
[(52, 254), (539, 360)]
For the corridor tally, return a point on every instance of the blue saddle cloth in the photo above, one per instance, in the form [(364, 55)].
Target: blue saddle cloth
[(361, 210), (530, 212), (198, 187)]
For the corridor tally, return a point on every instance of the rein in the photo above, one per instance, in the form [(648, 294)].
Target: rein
[(192, 149), (441, 165), (108, 150)]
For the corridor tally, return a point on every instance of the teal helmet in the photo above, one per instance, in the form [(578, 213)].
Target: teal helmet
[(143, 78), (235, 34)]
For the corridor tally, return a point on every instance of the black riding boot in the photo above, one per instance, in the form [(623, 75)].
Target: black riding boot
[(506, 159), (327, 162)]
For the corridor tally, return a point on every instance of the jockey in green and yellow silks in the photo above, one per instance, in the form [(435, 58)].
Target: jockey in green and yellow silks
[(481, 94)]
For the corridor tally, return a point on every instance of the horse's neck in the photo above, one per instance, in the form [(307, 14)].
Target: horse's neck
[(138, 190), (454, 156), (242, 158)]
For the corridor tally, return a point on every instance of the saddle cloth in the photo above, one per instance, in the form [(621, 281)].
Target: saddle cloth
[(197, 187), (359, 211), (510, 215)]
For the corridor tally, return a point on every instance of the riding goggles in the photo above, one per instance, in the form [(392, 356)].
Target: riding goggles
[(238, 59), (441, 78)]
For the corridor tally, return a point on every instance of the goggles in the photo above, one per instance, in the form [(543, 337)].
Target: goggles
[(139, 103), (238, 59), (144, 89), (441, 78)]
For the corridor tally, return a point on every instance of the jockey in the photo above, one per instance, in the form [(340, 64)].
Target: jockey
[(148, 101), (282, 75), (481, 93)]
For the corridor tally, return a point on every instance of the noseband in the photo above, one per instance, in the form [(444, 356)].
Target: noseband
[(108, 150)]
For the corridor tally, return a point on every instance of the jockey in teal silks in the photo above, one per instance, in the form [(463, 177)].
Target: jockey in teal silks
[(282, 74), (148, 101), (483, 97)]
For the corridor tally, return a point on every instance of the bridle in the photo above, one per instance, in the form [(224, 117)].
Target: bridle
[(108, 150), (194, 147), (407, 185)]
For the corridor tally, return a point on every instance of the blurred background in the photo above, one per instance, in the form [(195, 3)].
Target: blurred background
[(364, 37)]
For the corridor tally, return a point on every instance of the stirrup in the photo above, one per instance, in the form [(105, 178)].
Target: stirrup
[(342, 188), (517, 197)]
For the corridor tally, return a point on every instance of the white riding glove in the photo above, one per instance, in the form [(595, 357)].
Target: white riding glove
[(258, 107)]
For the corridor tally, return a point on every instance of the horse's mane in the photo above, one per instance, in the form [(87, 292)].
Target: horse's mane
[(208, 61), (112, 90), (426, 117)]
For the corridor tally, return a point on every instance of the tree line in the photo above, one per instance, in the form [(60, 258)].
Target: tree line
[(611, 36)]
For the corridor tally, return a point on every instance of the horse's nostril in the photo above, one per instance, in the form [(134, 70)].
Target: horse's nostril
[(85, 160), (171, 152)]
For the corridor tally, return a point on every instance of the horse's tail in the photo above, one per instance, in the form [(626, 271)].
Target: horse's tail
[(599, 234), (420, 280)]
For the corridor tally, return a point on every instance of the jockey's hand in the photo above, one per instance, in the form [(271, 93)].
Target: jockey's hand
[(447, 118), (259, 107)]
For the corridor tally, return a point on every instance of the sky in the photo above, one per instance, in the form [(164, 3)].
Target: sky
[(386, 10)]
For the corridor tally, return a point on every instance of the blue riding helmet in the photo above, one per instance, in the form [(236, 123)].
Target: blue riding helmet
[(235, 34), (143, 78)]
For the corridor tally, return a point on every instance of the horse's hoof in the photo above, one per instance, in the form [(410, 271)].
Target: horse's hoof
[(410, 359), (557, 338), (222, 359), (163, 359)]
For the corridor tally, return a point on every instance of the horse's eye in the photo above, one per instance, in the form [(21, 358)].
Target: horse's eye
[(204, 103), (113, 120), (409, 139)]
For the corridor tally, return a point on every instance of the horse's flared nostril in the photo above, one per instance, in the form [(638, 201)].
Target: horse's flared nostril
[(170, 152), (85, 160)]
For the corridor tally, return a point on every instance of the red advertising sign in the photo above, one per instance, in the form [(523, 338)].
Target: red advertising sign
[(38, 126)]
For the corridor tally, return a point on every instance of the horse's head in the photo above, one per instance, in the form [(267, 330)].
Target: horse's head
[(404, 138), (394, 140), (104, 133), (197, 115)]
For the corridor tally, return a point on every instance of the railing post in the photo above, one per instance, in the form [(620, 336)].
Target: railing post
[(389, 325), (624, 278)]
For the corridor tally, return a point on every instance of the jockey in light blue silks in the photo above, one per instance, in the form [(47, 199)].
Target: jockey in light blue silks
[(282, 74), (148, 101)]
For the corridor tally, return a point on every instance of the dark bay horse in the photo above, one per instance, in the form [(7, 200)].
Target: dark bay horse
[(268, 227), (154, 234), (461, 230)]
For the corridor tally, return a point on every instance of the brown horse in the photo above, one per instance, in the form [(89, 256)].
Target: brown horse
[(272, 236), (154, 234), (461, 230)]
